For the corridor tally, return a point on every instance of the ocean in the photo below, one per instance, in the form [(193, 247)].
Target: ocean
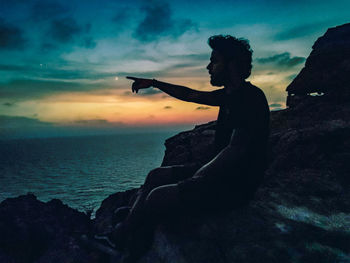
[(81, 171)]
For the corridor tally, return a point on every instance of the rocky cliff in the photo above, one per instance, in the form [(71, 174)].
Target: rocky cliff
[(301, 213), (327, 69)]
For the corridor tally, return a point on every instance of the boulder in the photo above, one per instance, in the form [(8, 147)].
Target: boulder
[(34, 231), (327, 69)]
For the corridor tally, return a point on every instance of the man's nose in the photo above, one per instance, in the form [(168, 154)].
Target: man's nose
[(208, 67)]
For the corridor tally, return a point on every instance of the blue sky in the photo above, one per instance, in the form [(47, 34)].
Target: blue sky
[(63, 63)]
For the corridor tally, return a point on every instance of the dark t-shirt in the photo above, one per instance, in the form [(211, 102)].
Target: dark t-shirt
[(243, 123), (245, 115)]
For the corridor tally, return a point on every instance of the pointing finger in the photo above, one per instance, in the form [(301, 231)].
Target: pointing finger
[(133, 87)]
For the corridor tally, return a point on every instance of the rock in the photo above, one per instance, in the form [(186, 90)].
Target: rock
[(301, 213), (327, 69), (34, 231), (104, 220), (195, 146)]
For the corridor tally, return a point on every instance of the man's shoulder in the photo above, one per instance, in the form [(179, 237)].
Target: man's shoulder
[(256, 96), (255, 92), (254, 89)]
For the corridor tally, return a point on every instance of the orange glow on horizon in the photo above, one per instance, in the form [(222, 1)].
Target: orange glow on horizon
[(130, 109), (113, 107)]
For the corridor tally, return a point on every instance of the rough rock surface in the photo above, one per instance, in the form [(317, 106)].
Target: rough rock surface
[(196, 145), (327, 69), (301, 213), (104, 219), (34, 231)]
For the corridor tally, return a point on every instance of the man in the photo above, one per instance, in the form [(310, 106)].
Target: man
[(231, 178)]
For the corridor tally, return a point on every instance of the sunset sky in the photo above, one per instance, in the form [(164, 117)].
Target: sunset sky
[(63, 63)]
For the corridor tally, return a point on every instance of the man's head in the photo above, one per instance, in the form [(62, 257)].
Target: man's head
[(230, 56)]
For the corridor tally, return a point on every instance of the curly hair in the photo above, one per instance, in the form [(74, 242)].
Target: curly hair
[(234, 49)]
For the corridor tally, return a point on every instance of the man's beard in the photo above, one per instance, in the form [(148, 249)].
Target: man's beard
[(219, 80)]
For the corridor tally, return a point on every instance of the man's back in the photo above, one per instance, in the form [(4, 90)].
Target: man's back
[(241, 140), (245, 108)]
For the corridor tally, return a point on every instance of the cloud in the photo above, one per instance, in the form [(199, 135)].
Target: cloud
[(291, 77), (158, 22), (185, 65), (145, 92), (89, 42), (64, 30), (276, 109), (202, 108), (12, 127), (301, 31), (4, 67), (274, 105), (282, 60), (167, 107), (8, 104), (149, 91), (193, 61), (193, 57), (74, 74), (11, 37), (128, 93), (275, 93), (67, 30), (7, 122), (46, 10), (97, 123), (31, 88), (122, 18), (46, 71), (94, 121), (194, 69)]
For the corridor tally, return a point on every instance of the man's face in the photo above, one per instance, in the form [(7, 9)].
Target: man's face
[(217, 69)]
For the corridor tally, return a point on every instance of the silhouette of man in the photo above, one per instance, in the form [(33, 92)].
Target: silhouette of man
[(231, 178)]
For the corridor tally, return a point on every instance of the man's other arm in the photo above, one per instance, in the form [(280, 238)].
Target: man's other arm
[(244, 140), (241, 143)]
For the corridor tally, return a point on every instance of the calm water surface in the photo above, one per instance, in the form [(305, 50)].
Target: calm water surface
[(81, 171)]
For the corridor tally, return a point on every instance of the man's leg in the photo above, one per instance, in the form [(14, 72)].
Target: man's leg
[(163, 176), (157, 177), (159, 203)]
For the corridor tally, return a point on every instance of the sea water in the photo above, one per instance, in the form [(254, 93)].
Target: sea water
[(81, 171)]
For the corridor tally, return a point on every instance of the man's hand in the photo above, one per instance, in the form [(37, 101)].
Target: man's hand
[(140, 83)]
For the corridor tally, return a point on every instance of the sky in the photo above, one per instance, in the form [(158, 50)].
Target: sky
[(63, 63)]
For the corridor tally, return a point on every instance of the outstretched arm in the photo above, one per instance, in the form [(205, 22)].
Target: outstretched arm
[(212, 98)]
